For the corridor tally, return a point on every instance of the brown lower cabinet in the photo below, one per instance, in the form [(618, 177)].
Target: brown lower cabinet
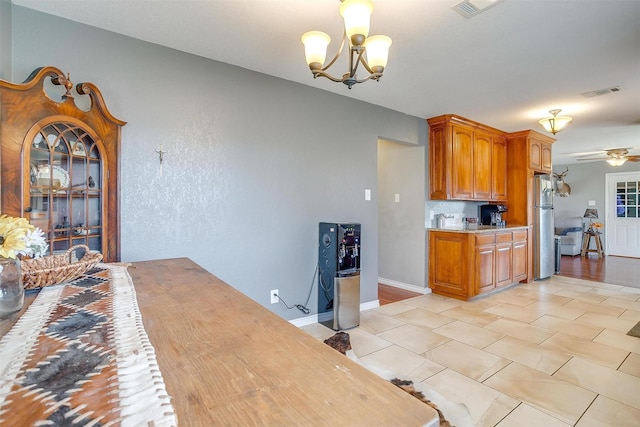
[(465, 264)]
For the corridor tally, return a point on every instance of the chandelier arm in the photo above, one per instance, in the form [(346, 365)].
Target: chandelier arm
[(366, 65), (335, 58), (359, 60), (372, 76), (323, 73)]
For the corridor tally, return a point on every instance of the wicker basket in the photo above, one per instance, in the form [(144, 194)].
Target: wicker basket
[(55, 269)]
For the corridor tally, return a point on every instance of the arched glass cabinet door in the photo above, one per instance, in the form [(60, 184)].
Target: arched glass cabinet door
[(64, 183)]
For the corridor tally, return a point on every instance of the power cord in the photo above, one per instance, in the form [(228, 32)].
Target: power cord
[(303, 307), (300, 307), (327, 293)]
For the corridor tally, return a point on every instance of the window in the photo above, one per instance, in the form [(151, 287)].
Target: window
[(628, 199)]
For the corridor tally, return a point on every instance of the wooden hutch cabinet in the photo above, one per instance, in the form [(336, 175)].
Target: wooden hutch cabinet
[(467, 160), (60, 165)]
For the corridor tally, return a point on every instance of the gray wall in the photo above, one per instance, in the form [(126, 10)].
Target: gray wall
[(401, 244), (252, 165), (5, 40), (587, 182)]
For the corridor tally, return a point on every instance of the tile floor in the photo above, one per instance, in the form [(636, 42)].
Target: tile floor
[(547, 353)]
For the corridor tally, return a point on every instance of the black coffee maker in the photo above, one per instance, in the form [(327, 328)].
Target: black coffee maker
[(489, 213)]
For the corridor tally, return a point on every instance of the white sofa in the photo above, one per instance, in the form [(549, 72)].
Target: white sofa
[(570, 231)]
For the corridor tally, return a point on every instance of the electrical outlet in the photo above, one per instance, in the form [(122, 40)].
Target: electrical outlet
[(274, 296)]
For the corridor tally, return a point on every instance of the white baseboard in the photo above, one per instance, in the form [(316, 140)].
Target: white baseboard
[(304, 321), (405, 286), (313, 318), (325, 317), (308, 320), (369, 305)]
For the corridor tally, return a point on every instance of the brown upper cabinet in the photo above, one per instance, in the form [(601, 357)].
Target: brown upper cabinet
[(467, 160), (59, 163), (539, 155), (529, 154), (499, 167)]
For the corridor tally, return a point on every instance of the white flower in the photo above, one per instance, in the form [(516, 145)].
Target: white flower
[(36, 244)]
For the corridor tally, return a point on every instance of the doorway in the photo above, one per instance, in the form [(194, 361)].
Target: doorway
[(401, 204), (622, 213)]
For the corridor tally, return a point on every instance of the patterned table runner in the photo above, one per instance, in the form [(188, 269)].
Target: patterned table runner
[(80, 356)]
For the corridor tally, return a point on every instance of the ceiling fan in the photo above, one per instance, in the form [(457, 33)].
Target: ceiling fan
[(615, 157)]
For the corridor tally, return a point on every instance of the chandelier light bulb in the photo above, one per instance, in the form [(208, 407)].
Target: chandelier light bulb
[(315, 48), (377, 51), (357, 16)]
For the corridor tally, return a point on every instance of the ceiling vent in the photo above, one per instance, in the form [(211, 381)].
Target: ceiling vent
[(599, 92), (470, 8)]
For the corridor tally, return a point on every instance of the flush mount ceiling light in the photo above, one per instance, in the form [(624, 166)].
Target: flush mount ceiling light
[(619, 161), (556, 123), (370, 52)]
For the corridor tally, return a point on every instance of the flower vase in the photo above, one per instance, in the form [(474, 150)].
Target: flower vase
[(11, 290)]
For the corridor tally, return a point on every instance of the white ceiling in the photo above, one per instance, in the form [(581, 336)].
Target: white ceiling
[(505, 67)]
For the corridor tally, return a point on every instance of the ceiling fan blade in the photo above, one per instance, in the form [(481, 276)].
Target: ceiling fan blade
[(586, 153), (629, 158)]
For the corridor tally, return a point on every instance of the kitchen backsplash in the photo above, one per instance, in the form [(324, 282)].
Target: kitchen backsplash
[(457, 211)]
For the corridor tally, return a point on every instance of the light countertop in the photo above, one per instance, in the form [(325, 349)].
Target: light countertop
[(481, 229)]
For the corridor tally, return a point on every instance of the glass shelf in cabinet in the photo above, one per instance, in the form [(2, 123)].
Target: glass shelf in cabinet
[(59, 194), (77, 192), (45, 191), (61, 234), (40, 153), (62, 158)]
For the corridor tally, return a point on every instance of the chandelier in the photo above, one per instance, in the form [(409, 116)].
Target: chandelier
[(556, 123), (370, 52)]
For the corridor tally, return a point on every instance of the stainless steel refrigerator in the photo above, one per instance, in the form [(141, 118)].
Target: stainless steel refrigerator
[(543, 241)]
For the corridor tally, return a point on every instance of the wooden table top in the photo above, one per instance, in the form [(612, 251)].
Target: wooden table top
[(226, 360)]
